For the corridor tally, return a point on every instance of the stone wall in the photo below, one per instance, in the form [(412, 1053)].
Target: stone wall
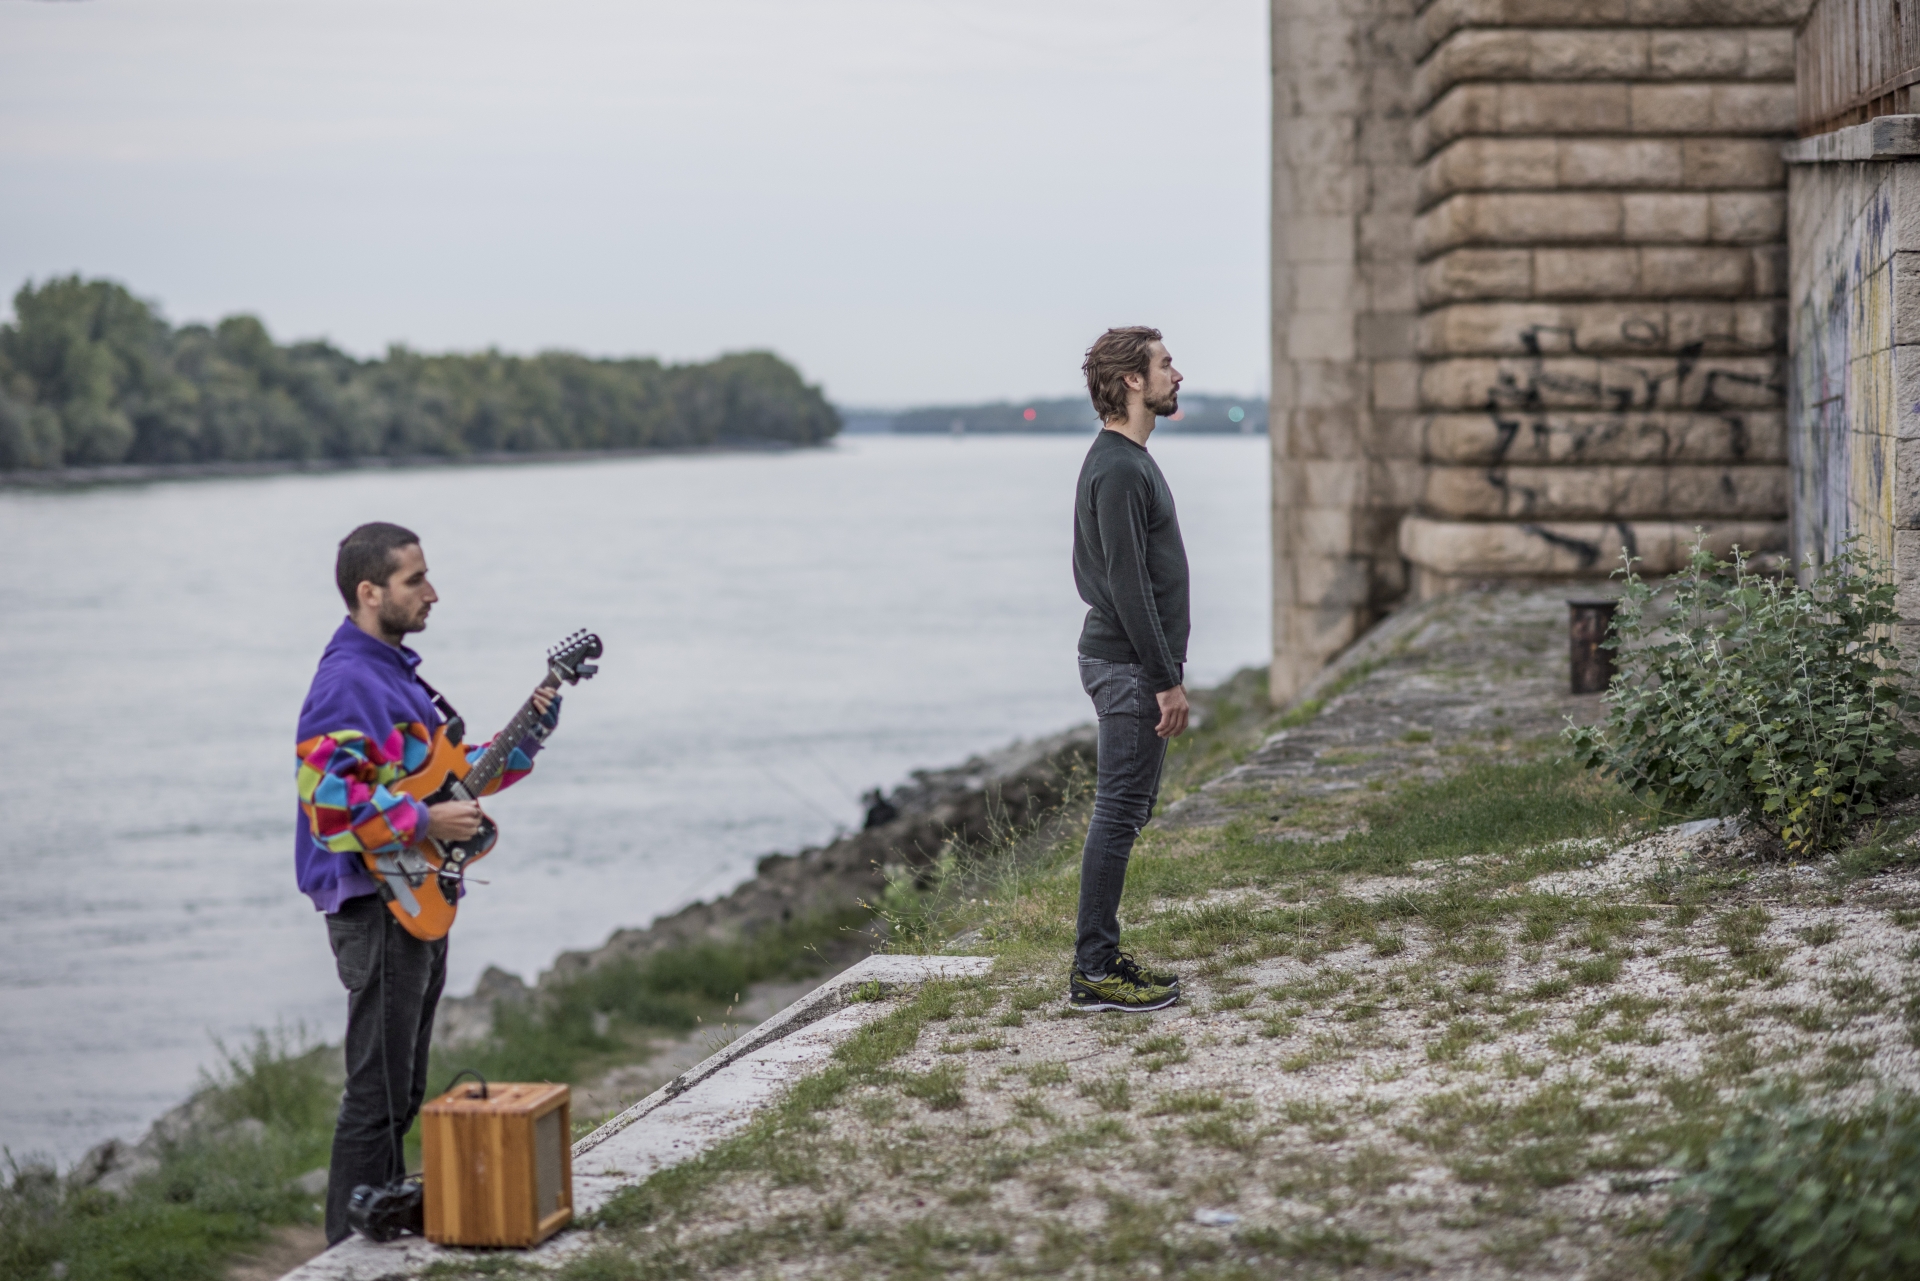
[(1854, 413), (1344, 374), (1529, 274)]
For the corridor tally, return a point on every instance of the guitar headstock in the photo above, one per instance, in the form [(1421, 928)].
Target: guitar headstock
[(569, 660)]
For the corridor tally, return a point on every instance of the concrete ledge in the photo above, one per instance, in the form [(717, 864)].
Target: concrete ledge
[(1882, 138), (682, 1119)]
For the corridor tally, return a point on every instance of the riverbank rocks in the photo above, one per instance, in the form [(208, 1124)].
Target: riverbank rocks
[(115, 1166)]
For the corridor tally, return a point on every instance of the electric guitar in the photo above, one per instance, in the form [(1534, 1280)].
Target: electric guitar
[(421, 884)]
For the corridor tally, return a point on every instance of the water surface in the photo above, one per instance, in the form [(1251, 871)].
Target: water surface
[(782, 630)]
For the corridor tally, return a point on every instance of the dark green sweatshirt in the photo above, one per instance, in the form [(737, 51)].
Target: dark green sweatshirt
[(1129, 562)]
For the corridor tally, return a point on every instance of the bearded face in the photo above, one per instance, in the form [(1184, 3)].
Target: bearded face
[(401, 605), (403, 618)]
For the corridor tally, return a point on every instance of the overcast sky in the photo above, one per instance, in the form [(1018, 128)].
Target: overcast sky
[(913, 200)]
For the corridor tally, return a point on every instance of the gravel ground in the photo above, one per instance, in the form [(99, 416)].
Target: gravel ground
[(1476, 1064)]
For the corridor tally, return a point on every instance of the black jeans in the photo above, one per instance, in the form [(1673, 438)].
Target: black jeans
[(1128, 782), (393, 983)]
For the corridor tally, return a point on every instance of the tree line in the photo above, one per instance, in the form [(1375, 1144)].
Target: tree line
[(90, 374)]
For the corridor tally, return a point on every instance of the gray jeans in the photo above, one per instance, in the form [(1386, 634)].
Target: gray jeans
[(393, 983), (1128, 782)]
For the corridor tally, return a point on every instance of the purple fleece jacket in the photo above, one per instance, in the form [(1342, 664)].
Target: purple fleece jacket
[(367, 723)]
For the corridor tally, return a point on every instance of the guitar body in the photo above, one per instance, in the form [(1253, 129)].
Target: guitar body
[(421, 884)]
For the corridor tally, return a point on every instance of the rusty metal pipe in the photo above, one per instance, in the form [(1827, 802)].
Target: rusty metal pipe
[(1588, 622)]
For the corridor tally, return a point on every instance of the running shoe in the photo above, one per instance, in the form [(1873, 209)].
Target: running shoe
[(1115, 991), (1123, 963)]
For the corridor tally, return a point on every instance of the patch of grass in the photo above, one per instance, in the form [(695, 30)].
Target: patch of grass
[(1109, 1093), (1221, 1131), (1336, 1246), (1820, 933), (215, 1193), (1460, 1035), (1161, 1050), (1186, 1103), (1595, 971), (938, 1088), (1039, 1074), (1485, 809)]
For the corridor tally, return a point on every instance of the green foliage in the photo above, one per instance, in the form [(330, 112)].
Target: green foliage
[(273, 1080), (90, 374), (216, 1191), (1486, 808), (1756, 697), (1798, 1197)]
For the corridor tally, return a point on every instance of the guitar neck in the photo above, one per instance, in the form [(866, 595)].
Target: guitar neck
[(493, 761)]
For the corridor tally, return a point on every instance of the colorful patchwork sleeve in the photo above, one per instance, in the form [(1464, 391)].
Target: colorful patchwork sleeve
[(519, 765), (342, 781)]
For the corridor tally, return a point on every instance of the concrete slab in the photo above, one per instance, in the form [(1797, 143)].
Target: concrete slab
[(683, 1118)]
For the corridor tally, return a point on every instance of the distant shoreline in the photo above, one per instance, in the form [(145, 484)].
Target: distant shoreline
[(146, 473), (63, 478)]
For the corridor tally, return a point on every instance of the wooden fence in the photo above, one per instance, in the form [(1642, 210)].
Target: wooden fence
[(1856, 59)]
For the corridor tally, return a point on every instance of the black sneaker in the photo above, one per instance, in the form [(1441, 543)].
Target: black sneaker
[(1115, 991), (1123, 963)]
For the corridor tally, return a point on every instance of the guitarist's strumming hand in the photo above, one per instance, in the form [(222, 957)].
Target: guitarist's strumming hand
[(453, 820)]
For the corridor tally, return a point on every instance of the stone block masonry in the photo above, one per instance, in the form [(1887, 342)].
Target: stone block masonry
[(1528, 295)]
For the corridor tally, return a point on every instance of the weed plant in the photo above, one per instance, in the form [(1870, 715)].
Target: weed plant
[(1753, 696), (214, 1193), (1796, 1196)]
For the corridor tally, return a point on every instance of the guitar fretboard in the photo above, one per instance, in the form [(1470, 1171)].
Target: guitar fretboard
[(493, 761)]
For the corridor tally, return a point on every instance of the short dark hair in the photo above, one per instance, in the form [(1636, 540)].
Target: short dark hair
[(366, 556), (1113, 356)]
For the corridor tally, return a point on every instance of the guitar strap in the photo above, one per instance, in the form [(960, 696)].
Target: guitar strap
[(445, 708)]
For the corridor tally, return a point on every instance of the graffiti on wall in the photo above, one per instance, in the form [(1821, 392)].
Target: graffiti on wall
[(1725, 378), (1563, 404), (1840, 409)]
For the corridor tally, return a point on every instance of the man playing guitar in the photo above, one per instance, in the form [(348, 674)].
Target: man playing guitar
[(367, 723)]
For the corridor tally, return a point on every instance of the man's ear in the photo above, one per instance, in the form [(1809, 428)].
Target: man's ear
[(367, 595)]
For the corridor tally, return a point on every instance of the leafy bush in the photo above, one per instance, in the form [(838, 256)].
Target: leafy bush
[(1794, 1196), (1756, 697)]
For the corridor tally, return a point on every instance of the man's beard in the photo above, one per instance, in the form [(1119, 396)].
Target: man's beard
[(1163, 408), (394, 620)]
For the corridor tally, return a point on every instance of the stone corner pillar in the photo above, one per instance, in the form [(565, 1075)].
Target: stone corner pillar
[(1344, 372)]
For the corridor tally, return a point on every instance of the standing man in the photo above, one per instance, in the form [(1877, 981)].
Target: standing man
[(367, 723), (1131, 569)]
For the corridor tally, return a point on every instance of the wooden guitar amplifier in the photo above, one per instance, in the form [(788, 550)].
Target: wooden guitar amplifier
[(499, 1164)]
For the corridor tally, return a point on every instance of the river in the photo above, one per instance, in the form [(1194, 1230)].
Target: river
[(783, 631)]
